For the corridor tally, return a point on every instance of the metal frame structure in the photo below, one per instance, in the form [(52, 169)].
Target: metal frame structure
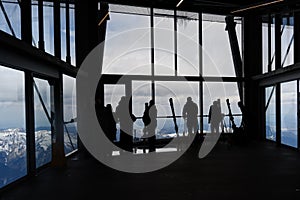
[(19, 54)]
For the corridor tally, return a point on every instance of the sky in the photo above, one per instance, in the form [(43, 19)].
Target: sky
[(132, 56)]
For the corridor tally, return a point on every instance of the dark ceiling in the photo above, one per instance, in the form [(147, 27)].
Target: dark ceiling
[(215, 6)]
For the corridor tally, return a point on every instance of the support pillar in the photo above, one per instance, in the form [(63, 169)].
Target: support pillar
[(252, 53), (58, 149)]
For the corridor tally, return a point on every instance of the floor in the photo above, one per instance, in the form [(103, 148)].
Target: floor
[(256, 170)]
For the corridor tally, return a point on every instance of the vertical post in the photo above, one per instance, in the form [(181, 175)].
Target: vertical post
[(30, 135), (200, 70), (152, 53), (252, 25), (86, 29), (277, 66), (86, 39), (175, 44), (26, 22), (263, 108), (41, 25), (235, 51), (278, 114), (57, 39), (103, 17), (58, 155)]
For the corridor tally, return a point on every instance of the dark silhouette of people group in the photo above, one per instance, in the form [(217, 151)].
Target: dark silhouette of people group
[(123, 115), (215, 117)]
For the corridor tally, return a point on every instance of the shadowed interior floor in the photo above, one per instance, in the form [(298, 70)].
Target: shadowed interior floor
[(257, 170)]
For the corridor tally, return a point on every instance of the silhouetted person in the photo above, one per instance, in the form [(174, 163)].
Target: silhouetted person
[(215, 117), (189, 113), (152, 125), (109, 124), (126, 120), (146, 119)]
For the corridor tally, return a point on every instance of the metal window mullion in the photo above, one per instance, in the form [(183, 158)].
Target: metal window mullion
[(278, 114), (41, 25), (57, 29), (200, 71), (152, 53), (30, 130), (175, 44)]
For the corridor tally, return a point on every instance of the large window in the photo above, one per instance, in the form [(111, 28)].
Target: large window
[(289, 109), (13, 157), (70, 124), (179, 92), (173, 44), (43, 119), (220, 92), (217, 58), (188, 47), (164, 47), (127, 45)]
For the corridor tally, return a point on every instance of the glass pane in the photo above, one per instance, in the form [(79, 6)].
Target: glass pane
[(218, 91), (112, 96), (287, 41), (187, 46), (42, 106), (217, 57), (179, 92), (265, 47), (72, 35), (63, 32), (13, 157), (289, 114), (127, 45), (164, 43), (273, 44), (270, 104), (12, 10), (35, 23), (70, 114), (48, 27), (141, 94)]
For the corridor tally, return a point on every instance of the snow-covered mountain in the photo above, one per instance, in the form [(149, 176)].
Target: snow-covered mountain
[(13, 155)]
